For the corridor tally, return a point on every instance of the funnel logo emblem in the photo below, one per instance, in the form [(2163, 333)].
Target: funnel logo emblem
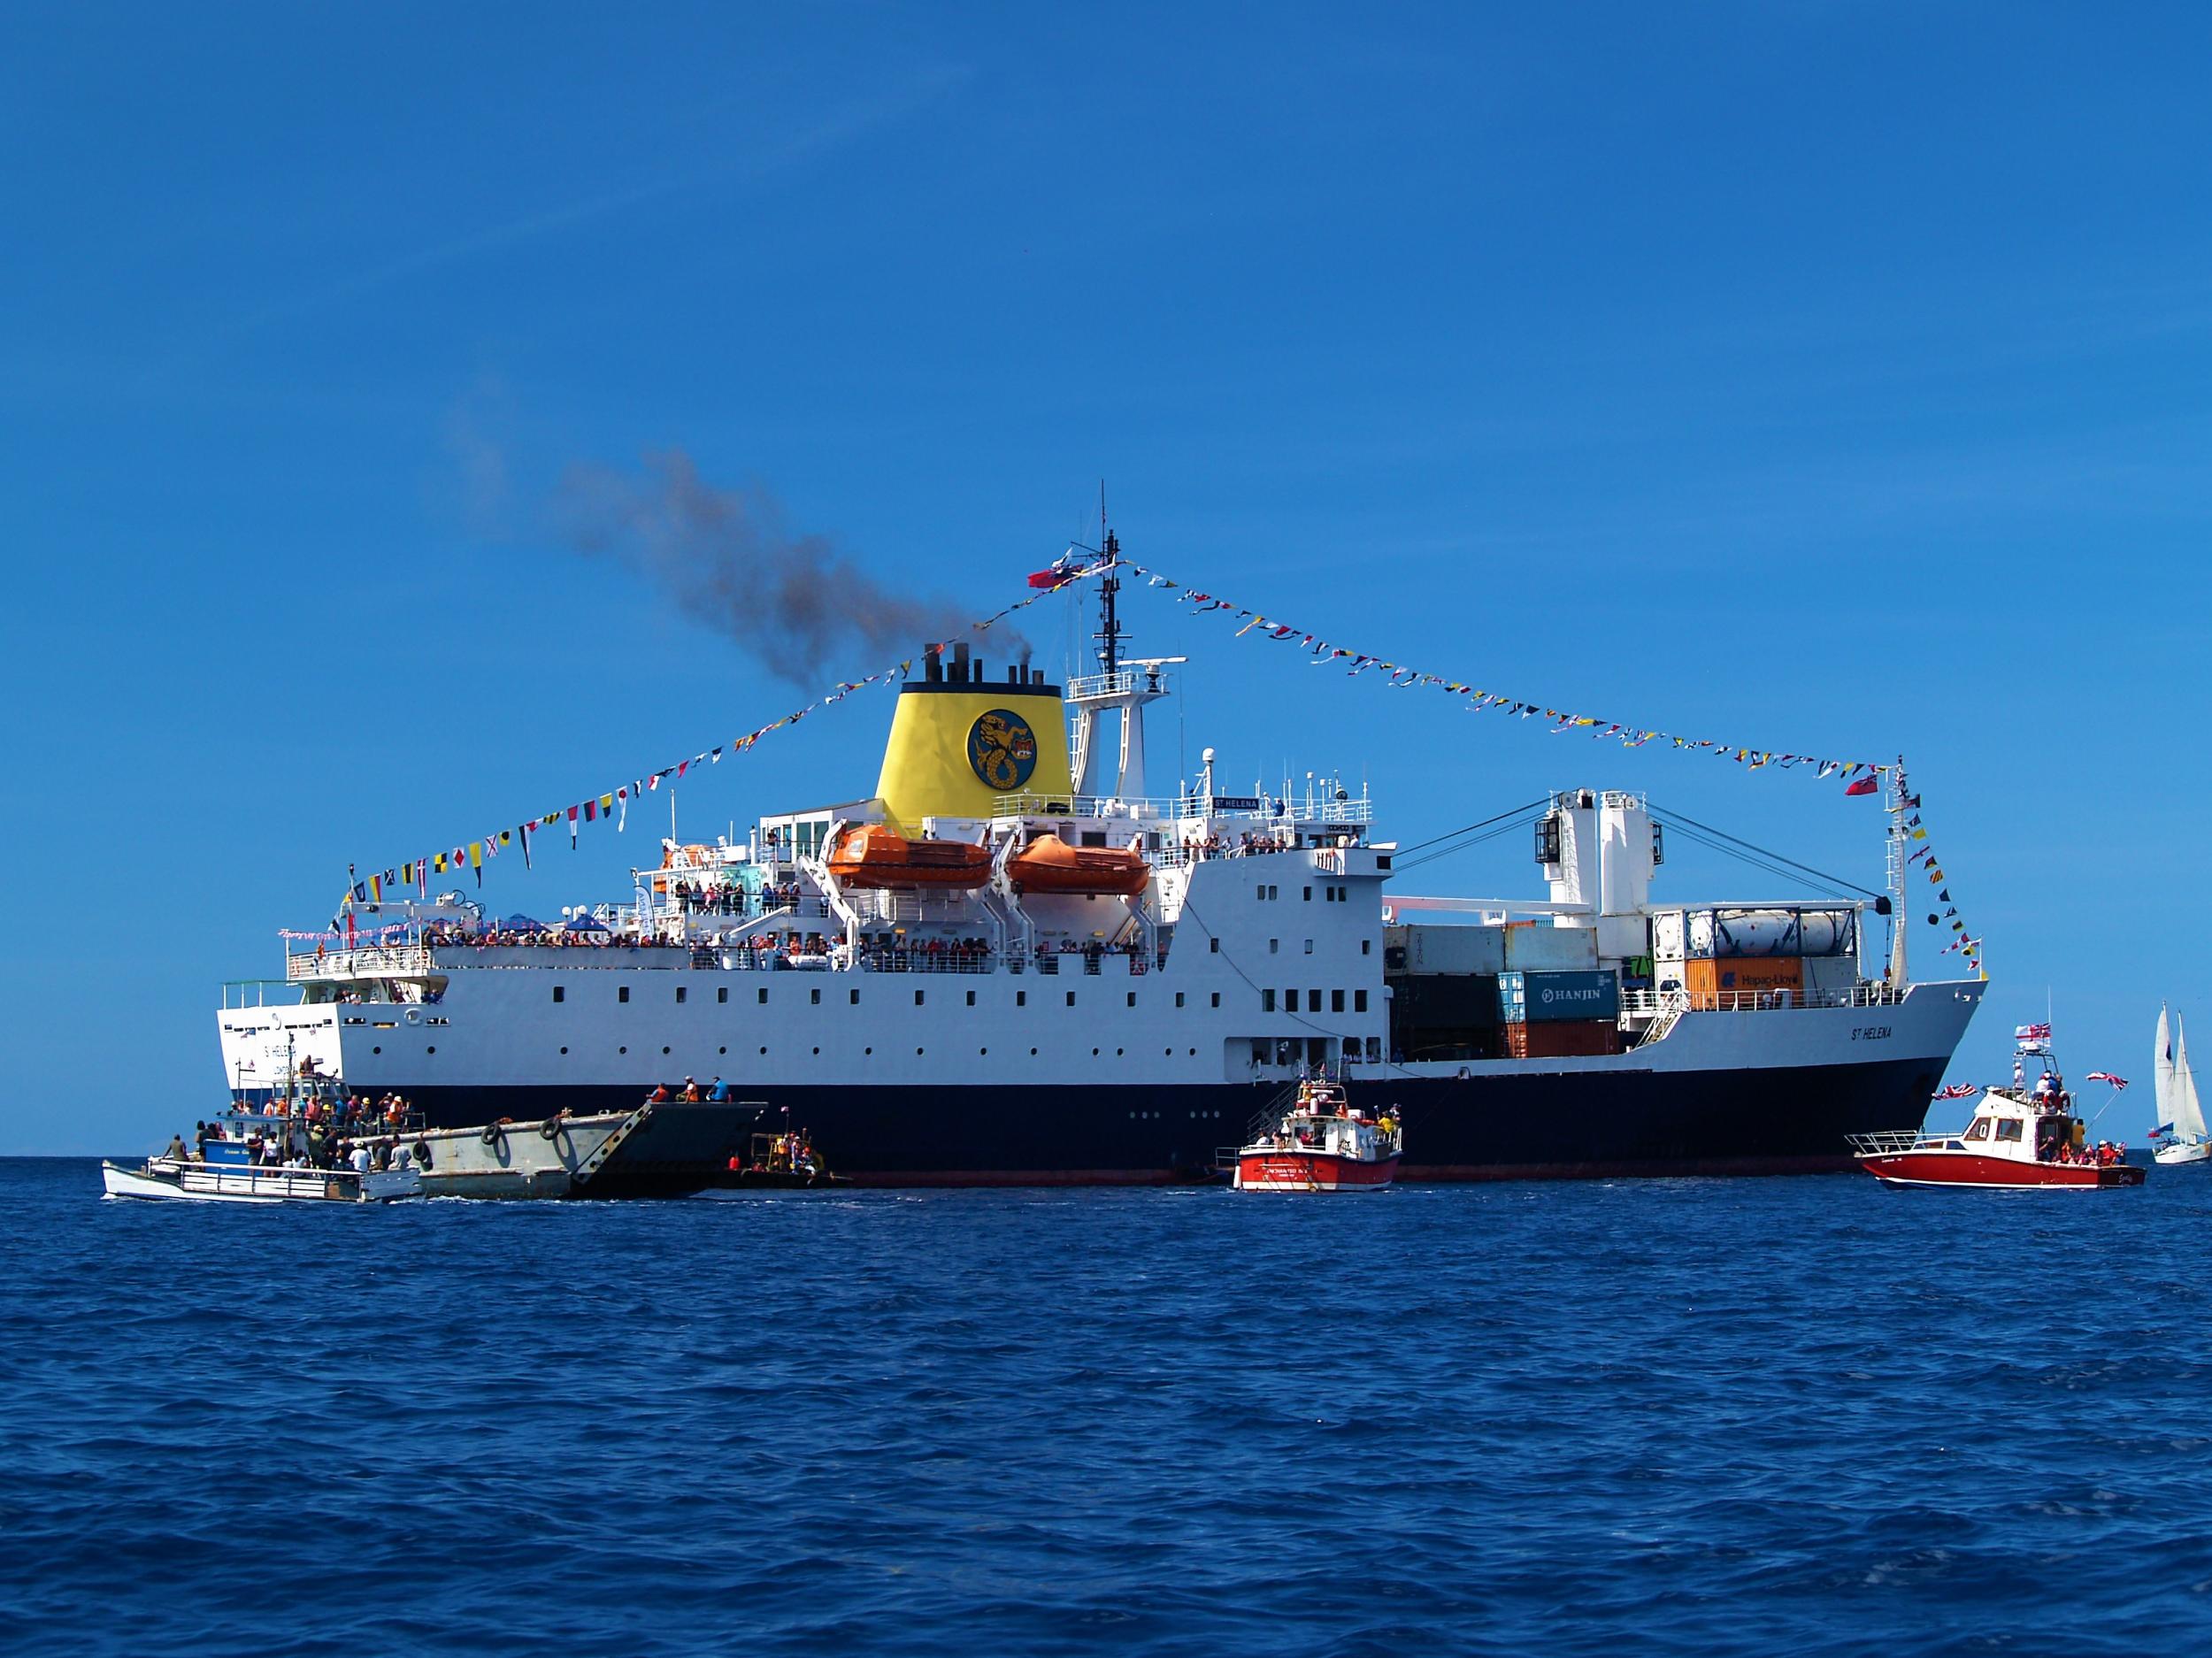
[(1002, 750)]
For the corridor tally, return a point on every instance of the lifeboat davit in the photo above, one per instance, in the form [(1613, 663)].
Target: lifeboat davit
[(878, 856), (1049, 864)]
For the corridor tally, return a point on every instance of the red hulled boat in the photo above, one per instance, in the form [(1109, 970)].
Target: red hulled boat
[(1322, 1144), (2019, 1138)]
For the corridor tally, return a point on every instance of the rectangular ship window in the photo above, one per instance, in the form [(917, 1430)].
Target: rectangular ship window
[(972, 998), (918, 998), (1336, 1002), (1132, 998), (1217, 1002), (1178, 998), (1267, 1002), (560, 992), (1071, 998), (814, 998), (622, 993), (763, 994), (1359, 1002), (852, 996), (682, 993), (721, 993), (1021, 998)]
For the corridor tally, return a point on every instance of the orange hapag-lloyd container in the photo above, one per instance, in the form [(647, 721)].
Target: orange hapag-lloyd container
[(1712, 983)]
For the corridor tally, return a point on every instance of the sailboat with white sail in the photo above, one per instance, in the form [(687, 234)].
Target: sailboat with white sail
[(2181, 1135)]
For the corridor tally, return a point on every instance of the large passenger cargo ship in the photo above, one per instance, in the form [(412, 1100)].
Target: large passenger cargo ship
[(1012, 963)]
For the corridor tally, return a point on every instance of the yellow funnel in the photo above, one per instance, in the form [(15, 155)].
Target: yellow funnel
[(959, 742)]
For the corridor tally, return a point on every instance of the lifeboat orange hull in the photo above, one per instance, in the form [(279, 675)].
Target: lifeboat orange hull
[(1051, 865), (877, 858)]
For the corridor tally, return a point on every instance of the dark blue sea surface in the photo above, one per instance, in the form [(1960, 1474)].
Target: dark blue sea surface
[(1807, 1415)]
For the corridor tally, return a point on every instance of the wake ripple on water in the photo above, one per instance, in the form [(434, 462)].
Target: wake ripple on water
[(1684, 1416)]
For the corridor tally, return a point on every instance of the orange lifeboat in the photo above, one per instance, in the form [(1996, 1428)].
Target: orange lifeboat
[(878, 856), (1049, 864)]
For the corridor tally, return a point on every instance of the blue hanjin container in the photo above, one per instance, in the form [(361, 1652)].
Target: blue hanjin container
[(1541, 998)]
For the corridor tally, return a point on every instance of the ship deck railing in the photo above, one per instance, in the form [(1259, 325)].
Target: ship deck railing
[(1637, 1005), (364, 962), (1162, 809), (1890, 1142)]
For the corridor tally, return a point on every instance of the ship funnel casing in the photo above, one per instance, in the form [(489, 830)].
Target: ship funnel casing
[(957, 745)]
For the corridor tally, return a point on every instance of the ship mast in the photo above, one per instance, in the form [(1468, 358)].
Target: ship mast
[(1900, 921), (1109, 635)]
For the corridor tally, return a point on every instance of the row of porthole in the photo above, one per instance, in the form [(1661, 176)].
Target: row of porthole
[(1165, 1052)]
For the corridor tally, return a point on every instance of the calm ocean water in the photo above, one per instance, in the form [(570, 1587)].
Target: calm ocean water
[(1678, 1416)]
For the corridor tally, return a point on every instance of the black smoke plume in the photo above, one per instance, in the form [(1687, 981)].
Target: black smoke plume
[(727, 558)]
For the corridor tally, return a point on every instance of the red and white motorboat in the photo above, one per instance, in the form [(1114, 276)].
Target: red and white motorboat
[(2019, 1138), (1322, 1144)]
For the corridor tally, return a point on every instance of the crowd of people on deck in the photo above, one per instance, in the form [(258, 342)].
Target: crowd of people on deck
[(306, 1131), (690, 1092), (2103, 1154)]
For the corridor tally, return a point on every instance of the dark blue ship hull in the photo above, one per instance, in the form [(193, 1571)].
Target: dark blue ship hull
[(1494, 1126)]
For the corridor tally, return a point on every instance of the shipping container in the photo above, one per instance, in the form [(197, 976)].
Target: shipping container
[(1537, 946), (1720, 934), (1443, 947), (1830, 974), (1445, 999), (1721, 983), (1543, 998), (1561, 1038)]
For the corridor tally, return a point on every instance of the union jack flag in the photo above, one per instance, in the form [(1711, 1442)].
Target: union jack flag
[(2032, 1033), (1956, 1091), (2105, 1076)]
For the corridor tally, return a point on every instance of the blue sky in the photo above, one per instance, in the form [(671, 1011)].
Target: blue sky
[(1822, 377)]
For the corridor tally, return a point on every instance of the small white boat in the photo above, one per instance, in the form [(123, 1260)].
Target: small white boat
[(220, 1183), (257, 1156), (2181, 1133)]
